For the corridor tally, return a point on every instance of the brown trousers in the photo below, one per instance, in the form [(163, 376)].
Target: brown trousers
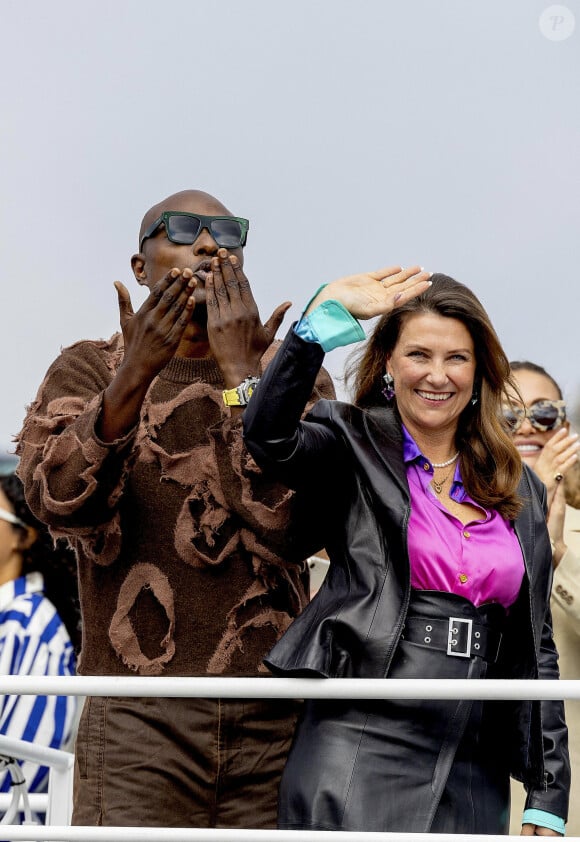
[(181, 762)]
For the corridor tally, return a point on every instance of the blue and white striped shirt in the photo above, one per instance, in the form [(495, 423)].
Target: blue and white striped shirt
[(34, 641)]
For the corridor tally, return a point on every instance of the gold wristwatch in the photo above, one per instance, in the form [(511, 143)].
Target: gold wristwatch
[(241, 395)]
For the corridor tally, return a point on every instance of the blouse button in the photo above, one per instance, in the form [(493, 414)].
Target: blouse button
[(426, 466), (462, 578), (467, 534)]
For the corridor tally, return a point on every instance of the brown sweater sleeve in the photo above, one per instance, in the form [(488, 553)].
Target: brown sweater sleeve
[(262, 503), (72, 479)]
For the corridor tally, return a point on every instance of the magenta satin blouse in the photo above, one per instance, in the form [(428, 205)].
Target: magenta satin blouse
[(481, 560)]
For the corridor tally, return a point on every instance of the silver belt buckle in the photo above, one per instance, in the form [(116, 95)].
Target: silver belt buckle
[(452, 640)]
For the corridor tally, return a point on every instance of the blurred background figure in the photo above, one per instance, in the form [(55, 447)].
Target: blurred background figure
[(538, 421), (8, 461), (39, 628)]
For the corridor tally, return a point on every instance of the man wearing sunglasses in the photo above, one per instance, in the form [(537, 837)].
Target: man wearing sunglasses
[(133, 451)]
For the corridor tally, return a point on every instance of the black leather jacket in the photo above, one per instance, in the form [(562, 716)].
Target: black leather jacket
[(348, 467)]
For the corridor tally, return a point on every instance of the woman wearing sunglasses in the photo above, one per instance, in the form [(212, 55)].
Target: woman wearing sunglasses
[(536, 417), (39, 624), (440, 567)]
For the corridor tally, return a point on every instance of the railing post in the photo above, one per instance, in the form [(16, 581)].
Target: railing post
[(60, 789)]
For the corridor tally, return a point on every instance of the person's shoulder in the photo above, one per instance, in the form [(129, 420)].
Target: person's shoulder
[(572, 486), (99, 347), (26, 590), (36, 617), (20, 605), (81, 370), (103, 355), (533, 480), (352, 415), (385, 419), (532, 492)]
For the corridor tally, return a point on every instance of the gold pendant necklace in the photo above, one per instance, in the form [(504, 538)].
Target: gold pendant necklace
[(438, 486)]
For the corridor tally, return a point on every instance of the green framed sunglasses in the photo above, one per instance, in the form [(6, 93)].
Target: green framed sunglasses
[(230, 232)]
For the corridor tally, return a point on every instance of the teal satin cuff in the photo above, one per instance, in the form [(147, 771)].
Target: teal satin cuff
[(330, 324), (543, 819), (312, 297)]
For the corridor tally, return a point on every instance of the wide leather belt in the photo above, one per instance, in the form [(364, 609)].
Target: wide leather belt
[(458, 637)]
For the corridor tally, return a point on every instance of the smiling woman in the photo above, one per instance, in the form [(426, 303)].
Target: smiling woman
[(536, 415), (440, 566), (449, 372), (433, 369)]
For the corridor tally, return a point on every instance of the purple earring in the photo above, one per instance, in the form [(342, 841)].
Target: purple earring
[(389, 390)]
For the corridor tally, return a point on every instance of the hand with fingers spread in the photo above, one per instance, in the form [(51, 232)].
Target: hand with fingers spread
[(558, 455), (377, 293), (151, 337), (237, 337), (556, 520)]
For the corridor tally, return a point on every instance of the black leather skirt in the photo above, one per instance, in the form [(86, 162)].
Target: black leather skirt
[(436, 766)]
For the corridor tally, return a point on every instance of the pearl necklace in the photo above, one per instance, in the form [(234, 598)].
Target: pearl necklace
[(448, 462), (438, 486)]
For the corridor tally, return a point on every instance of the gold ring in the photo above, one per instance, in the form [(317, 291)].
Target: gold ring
[(558, 477)]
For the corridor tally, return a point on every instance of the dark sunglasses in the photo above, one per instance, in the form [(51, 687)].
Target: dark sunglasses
[(543, 415), (229, 232)]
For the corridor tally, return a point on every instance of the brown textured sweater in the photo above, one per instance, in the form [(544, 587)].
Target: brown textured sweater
[(182, 544)]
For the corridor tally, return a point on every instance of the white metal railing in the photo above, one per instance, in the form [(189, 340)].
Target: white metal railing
[(292, 688), (59, 799), (38, 801), (60, 785), (173, 834), (152, 834)]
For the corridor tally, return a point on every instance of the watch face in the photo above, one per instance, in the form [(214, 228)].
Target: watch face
[(242, 393), (247, 388)]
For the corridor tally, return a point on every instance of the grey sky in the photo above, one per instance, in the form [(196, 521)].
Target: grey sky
[(353, 135)]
